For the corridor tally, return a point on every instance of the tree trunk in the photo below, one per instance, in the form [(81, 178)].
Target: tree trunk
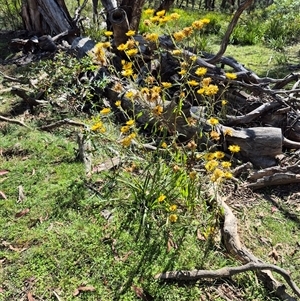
[(47, 17), (166, 5)]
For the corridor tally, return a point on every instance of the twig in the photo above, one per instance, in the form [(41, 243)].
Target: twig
[(13, 79), (56, 295), (60, 123), (15, 121), (228, 272)]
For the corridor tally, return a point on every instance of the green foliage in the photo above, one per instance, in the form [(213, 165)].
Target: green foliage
[(10, 14)]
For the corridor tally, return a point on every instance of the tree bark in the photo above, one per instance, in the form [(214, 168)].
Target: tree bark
[(47, 17)]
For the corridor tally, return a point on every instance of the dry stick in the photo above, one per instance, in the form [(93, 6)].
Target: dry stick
[(229, 31), (15, 121), (60, 123), (228, 272)]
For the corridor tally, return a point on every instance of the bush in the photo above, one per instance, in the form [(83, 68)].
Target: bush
[(10, 17)]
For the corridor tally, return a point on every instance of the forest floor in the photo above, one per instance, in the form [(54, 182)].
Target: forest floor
[(62, 240)]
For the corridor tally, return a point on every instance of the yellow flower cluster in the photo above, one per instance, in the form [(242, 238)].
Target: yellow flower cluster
[(130, 47), (98, 127), (127, 140), (219, 171)]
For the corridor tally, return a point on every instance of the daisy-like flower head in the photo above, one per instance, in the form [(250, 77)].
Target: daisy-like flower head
[(152, 37), (211, 165), (130, 122), (211, 90), (161, 198), (173, 207), (161, 13), (166, 85), (105, 111), (215, 135), (130, 33), (131, 52), (219, 155), (234, 148), (230, 75), (108, 33), (127, 72), (149, 11), (192, 82), (173, 218), (226, 164), (174, 16), (213, 121), (201, 71), (179, 36)]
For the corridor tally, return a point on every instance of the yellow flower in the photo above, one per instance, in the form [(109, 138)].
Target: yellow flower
[(206, 81), (182, 72), (106, 45), (97, 126), (126, 141), (164, 19), (145, 90), (127, 72), (156, 89), (105, 111), (161, 13), (132, 135), (217, 174), (166, 85), (198, 24), (201, 91), (108, 33), (152, 37), (226, 164), (224, 102), (209, 156), (193, 82), (205, 21), (161, 198), (131, 52), (149, 11), (193, 175), (174, 16), (173, 207), (213, 121), (130, 33), (147, 22), (228, 132), (129, 94), (122, 47), (125, 129), (211, 165), (126, 65), (158, 110), (234, 148), (173, 218), (219, 155), (155, 19), (230, 75), (118, 103), (193, 58), (228, 175), (164, 145), (215, 135), (200, 71), (130, 122), (99, 52), (176, 51), (179, 36), (187, 31), (211, 90)]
